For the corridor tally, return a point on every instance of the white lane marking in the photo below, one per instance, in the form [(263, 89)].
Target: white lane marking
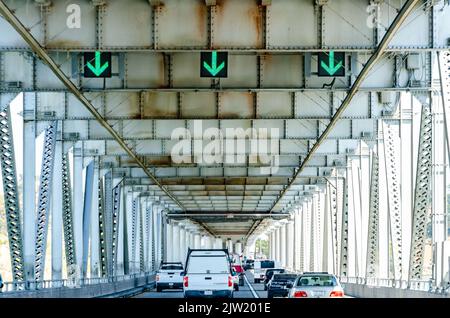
[(255, 295)]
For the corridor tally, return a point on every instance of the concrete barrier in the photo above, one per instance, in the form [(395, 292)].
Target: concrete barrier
[(110, 289), (364, 291)]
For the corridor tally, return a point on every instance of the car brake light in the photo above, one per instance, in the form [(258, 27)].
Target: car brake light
[(186, 281), (230, 281), (157, 278), (300, 294), (337, 293)]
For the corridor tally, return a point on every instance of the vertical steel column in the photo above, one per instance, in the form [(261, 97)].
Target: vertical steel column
[(108, 221), (141, 239), (169, 242), (87, 206), (312, 223), (11, 199), (148, 233), (102, 230), (57, 213), (290, 245), (176, 243), (283, 244), (326, 233), (422, 195), (28, 190), (182, 244), (44, 200), (134, 212), (197, 241), (394, 197), (126, 249), (278, 245), (78, 206), (372, 239), (344, 232), (116, 194), (298, 242), (69, 236), (94, 227)]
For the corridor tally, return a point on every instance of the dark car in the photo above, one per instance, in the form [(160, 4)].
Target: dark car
[(280, 284), (249, 264), (269, 274)]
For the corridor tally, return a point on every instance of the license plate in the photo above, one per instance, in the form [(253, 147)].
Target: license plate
[(170, 284), (319, 293), (208, 292)]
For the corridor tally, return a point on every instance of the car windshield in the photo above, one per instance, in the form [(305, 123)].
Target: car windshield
[(210, 264), (172, 267), (317, 280), (284, 277), (267, 264)]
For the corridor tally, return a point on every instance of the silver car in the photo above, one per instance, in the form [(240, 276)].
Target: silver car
[(316, 285)]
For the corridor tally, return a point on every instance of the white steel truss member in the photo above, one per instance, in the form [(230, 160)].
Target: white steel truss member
[(372, 239), (422, 195), (444, 72), (11, 198), (344, 231), (394, 198), (44, 200), (69, 240), (134, 210), (115, 226), (141, 239), (102, 230)]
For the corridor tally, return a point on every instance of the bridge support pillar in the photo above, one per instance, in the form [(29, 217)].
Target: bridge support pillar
[(169, 243), (175, 243), (238, 248), (78, 207), (283, 245), (290, 245), (182, 244), (218, 243), (56, 213), (197, 241)]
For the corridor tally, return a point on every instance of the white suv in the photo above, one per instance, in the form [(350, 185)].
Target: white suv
[(208, 274)]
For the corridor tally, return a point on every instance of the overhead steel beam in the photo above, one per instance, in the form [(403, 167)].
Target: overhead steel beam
[(45, 57), (225, 214), (377, 55)]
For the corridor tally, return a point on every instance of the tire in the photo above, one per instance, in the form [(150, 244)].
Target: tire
[(236, 287), (158, 289), (241, 282), (256, 281), (265, 287), (269, 296)]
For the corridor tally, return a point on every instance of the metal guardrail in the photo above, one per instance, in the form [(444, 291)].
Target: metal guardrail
[(68, 283), (419, 285)]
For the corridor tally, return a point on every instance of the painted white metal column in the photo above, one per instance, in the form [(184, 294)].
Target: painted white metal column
[(290, 245), (238, 248), (176, 243), (218, 243), (278, 243), (297, 239), (182, 244), (94, 229), (283, 245), (56, 213), (29, 194), (197, 241), (78, 205), (169, 242)]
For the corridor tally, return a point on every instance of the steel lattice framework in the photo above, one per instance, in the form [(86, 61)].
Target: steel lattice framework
[(69, 239), (44, 200), (372, 240), (422, 194), (11, 194)]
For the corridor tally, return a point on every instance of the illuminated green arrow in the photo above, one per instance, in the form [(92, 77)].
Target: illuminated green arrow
[(331, 68), (214, 69), (97, 70)]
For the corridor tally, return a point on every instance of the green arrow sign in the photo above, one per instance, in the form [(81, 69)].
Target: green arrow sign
[(98, 69), (332, 64), (213, 64)]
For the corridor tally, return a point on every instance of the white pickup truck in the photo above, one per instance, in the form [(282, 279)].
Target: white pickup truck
[(259, 269), (169, 276), (208, 274)]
